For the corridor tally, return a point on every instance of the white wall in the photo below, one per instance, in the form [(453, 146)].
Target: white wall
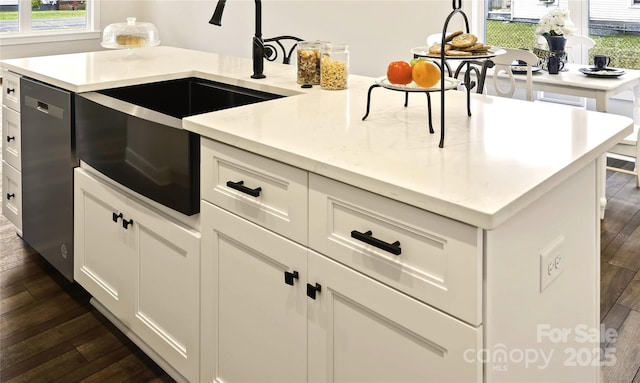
[(377, 31)]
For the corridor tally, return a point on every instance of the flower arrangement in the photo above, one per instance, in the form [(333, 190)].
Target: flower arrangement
[(556, 23)]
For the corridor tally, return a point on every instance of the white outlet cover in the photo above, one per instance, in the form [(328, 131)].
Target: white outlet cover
[(551, 262)]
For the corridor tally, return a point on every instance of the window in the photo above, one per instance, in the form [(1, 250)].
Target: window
[(25, 17), (614, 26)]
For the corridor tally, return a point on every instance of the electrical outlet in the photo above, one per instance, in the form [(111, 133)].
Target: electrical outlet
[(551, 262)]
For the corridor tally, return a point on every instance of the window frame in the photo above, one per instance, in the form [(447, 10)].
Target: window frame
[(26, 35)]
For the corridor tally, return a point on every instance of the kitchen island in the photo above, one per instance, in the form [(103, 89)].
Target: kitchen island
[(370, 252)]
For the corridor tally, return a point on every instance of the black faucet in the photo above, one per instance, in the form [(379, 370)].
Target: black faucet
[(258, 50)]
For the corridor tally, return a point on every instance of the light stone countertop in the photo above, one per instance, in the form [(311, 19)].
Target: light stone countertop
[(493, 164)]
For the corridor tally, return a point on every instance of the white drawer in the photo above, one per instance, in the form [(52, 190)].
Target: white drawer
[(280, 199), (438, 260), (11, 90), (12, 195), (11, 137)]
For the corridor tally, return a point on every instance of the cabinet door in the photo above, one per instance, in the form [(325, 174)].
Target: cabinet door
[(11, 93), (11, 137), (167, 291), (254, 324), (12, 198), (103, 258), (363, 331)]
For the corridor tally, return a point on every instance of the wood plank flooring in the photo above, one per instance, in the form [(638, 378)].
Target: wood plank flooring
[(620, 275), (50, 333)]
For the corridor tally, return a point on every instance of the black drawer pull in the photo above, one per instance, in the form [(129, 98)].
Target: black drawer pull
[(9, 196), (393, 248), (312, 289), (126, 223), (115, 217), (289, 277), (9, 138), (11, 90), (239, 186)]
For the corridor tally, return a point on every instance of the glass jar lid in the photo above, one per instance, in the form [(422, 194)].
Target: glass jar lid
[(130, 35)]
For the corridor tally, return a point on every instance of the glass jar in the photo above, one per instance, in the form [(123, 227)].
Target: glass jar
[(309, 62), (334, 66)]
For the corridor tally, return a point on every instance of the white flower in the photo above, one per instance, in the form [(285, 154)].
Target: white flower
[(556, 23)]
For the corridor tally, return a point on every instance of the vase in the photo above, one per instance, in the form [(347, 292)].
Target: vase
[(556, 44)]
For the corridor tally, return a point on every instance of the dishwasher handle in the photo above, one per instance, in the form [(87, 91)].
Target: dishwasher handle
[(44, 107)]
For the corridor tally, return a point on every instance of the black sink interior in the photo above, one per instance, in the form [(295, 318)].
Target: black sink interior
[(188, 96)]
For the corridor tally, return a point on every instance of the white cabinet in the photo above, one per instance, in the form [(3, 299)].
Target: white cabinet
[(266, 192), (11, 160), (253, 323), (11, 137), (12, 195), (11, 90), (141, 266), (432, 258), (331, 324), (277, 311), (362, 330)]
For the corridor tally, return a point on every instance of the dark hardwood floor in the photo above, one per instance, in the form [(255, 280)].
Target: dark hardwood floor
[(620, 275), (50, 333)]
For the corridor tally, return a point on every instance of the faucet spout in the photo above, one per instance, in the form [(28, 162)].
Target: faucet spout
[(216, 19), (257, 49)]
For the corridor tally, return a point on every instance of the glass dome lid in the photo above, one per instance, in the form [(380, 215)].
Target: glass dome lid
[(131, 34)]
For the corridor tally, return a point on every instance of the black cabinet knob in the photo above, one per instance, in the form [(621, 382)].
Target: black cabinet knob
[(289, 277), (313, 289), (11, 90), (9, 196), (10, 138), (115, 217), (126, 223)]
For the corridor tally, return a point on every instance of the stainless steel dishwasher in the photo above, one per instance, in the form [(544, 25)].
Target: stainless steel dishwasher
[(47, 172)]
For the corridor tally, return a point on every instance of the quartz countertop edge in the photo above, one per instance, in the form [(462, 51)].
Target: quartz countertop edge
[(467, 213), (493, 164)]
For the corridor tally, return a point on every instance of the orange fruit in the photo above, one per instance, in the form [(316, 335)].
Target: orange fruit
[(425, 74), (399, 72)]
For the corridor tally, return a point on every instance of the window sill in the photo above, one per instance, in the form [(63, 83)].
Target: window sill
[(10, 38)]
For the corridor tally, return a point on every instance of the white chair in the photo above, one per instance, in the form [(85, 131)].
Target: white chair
[(628, 148), (503, 75), (574, 42)]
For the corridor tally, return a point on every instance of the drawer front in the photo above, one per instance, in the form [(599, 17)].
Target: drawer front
[(430, 257), (11, 137), (12, 195), (266, 192), (11, 90)]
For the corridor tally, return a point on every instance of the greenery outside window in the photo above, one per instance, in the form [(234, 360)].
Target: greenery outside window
[(616, 31), (46, 17)]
